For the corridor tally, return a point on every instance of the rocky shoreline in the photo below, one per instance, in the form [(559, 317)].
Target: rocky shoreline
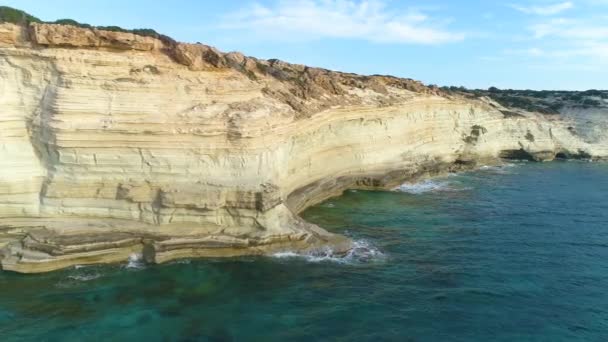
[(66, 242), (115, 144)]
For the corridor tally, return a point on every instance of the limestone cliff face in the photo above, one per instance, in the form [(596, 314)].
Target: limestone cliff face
[(113, 144)]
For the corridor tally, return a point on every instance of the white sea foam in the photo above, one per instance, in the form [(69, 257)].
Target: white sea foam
[(362, 252), (427, 185), (84, 277), (502, 169), (451, 182), (136, 261), (579, 160)]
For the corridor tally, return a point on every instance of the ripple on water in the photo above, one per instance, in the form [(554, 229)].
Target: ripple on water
[(522, 256)]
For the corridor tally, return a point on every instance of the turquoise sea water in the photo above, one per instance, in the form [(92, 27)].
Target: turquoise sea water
[(514, 253)]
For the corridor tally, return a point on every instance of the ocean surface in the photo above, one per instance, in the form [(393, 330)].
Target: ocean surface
[(512, 253)]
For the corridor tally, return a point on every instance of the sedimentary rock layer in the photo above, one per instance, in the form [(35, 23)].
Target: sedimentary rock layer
[(113, 144)]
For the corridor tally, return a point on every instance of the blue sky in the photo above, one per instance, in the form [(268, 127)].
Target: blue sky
[(535, 44)]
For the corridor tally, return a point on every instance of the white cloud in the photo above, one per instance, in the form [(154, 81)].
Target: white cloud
[(571, 29), (568, 40), (534, 51), (545, 10), (347, 19)]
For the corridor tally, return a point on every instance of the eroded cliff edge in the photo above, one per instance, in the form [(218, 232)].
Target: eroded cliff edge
[(113, 143)]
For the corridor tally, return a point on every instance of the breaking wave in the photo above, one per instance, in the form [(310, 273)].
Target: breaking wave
[(443, 184), (427, 185), (362, 252), (84, 277), (136, 261), (501, 169), (79, 274)]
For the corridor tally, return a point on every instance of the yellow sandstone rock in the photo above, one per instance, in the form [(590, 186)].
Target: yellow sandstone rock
[(113, 143)]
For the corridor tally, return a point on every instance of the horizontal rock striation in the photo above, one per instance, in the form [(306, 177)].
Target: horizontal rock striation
[(113, 143)]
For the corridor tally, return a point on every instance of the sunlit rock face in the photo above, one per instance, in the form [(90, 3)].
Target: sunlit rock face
[(113, 144)]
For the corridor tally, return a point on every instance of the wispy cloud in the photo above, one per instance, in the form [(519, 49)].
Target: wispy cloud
[(361, 20), (567, 40), (583, 30), (555, 38), (546, 10), (534, 51)]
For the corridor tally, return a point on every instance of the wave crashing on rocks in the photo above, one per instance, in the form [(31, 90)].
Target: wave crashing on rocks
[(362, 252)]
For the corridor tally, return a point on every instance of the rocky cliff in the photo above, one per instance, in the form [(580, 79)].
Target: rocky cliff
[(113, 143)]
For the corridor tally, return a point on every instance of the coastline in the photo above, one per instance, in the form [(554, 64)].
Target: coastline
[(114, 146), (155, 248)]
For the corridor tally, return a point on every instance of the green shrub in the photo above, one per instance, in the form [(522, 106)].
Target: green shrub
[(15, 16), (71, 22), (493, 90), (112, 28), (146, 32), (592, 92), (555, 107), (590, 103)]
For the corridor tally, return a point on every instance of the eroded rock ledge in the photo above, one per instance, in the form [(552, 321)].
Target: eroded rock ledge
[(113, 144)]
